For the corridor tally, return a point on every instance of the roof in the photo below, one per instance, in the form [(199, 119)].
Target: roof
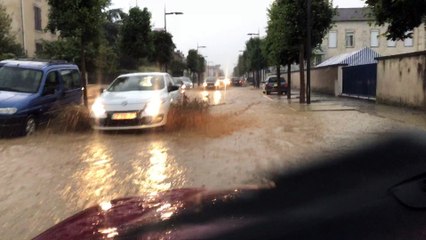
[(33, 64), (353, 14), (360, 57)]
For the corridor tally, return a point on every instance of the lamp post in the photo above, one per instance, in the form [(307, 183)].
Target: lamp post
[(169, 13), (198, 47)]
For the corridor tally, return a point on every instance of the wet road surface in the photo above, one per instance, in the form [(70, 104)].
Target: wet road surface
[(47, 177)]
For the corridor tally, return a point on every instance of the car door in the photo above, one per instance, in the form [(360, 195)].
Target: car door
[(175, 95), (51, 95), (72, 91)]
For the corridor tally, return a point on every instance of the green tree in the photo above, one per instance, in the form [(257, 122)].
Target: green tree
[(256, 61), (192, 62), (8, 47), (275, 48), (402, 16), (79, 19), (136, 35), (178, 64), (201, 67), (163, 48), (292, 19)]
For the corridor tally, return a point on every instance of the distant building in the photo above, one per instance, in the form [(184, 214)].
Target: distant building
[(354, 29), (29, 19)]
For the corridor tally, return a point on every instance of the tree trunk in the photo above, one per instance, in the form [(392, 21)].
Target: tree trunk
[(278, 77), (289, 80), (83, 74), (302, 73)]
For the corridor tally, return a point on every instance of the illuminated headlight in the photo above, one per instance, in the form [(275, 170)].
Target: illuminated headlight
[(98, 110), (227, 82), (8, 111), (204, 84), (216, 84), (183, 86), (153, 107)]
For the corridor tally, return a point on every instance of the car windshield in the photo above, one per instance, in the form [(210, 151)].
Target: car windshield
[(210, 79), (275, 79), (18, 79), (137, 83)]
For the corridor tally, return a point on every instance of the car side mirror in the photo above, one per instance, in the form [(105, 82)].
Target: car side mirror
[(101, 90), (172, 88)]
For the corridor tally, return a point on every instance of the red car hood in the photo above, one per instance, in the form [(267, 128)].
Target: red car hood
[(124, 216)]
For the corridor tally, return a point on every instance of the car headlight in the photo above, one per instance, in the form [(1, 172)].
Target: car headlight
[(216, 84), (153, 107), (8, 111), (183, 86), (204, 84), (98, 110)]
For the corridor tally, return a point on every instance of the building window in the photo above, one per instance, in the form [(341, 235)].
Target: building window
[(408, 42), (374, 38), (332, 39), (391, 43), (350, 39), (37, 18)]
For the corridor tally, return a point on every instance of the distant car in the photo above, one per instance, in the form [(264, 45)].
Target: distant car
[(135, 101), (184, 81), (211, 83), (271, 85), (238, 81), (31, 92)]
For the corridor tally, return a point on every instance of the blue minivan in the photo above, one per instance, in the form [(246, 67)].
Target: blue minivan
[(32, 90)]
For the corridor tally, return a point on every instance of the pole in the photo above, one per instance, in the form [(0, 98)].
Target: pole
[(309, 52), (165, 19)]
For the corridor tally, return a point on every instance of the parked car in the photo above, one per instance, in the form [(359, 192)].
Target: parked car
[(211, 83), (31, 92), (135, 101), (271, 85), (184, 81)]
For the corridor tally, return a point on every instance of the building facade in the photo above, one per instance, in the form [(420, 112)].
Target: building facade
[(29, 19), (354, 29)]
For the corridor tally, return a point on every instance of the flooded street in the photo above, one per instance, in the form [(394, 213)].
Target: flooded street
[(50, 176)]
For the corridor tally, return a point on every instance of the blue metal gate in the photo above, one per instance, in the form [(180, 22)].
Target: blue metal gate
[(360, 80)]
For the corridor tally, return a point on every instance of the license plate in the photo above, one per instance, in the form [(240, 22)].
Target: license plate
[(276, 85), (124, 116)]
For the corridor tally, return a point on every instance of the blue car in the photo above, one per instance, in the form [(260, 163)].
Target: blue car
[(31, 91)]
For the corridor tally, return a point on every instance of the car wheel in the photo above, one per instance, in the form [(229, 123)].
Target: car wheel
[(30, 126)]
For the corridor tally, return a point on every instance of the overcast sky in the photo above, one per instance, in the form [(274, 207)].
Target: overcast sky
[(220, 25)]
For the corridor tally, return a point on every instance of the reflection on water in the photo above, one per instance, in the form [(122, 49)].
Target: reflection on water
[(217, 97), (104, 176), (95, 181), (162, 173)]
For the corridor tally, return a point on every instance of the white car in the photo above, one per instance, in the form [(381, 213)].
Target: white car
[(135, 101)]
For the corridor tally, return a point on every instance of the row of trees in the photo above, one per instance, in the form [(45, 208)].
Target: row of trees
[(8, 46), (112, 41), (287, 43)]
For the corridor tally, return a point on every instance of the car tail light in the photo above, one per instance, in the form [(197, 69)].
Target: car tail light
[(286, 85)]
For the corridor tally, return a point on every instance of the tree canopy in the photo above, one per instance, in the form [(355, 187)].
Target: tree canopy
[(287, 28), (136, 34), (163, 47), (80, 20), (402, 16), (8, 46)]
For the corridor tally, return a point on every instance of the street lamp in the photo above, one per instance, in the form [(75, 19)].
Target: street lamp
[(198, 47), (253, 34), (169, 13)]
